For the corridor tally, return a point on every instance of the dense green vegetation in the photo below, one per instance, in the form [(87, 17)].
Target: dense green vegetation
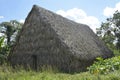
[(109, 31), (4, 51), (8, 33), (105, 66), (10, 30)]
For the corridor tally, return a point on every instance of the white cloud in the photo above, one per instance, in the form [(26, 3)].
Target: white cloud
[(109, 11), (22, 21), (78, 15), (1, 17)]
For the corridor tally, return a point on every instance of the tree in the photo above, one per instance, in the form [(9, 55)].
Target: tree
[(10, 30), (116, 22), (109, 31)]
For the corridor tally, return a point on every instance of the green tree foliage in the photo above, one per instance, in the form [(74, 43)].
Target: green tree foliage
[(109, 31), (10, 30), (8, 39), (4, 50)]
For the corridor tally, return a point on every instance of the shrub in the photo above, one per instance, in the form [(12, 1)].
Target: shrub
[(105, 66), (4, 50)]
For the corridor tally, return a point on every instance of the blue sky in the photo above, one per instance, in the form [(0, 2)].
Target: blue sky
[(91, 10)]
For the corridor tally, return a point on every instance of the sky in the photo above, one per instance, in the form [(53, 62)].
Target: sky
[(90, 12)]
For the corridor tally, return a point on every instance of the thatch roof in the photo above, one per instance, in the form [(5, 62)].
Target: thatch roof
[(50, 39)]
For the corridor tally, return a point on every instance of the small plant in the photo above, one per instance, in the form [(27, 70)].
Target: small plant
[(105, 66)]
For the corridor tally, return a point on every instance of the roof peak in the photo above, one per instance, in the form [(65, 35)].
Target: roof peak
[(35, 6)]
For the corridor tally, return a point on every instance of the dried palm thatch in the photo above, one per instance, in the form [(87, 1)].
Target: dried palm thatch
[(50, 39)]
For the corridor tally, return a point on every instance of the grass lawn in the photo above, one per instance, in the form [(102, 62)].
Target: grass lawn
[(7, 73)]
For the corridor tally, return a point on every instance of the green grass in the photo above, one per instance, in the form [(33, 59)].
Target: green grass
[(7, 73)]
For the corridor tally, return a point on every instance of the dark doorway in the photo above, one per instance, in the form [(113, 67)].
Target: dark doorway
[(34, 57)]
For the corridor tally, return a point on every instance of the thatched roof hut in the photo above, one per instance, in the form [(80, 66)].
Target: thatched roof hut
[(50, 39)]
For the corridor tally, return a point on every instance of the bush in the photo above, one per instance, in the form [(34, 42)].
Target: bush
[(4, 50), (105, 66)]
